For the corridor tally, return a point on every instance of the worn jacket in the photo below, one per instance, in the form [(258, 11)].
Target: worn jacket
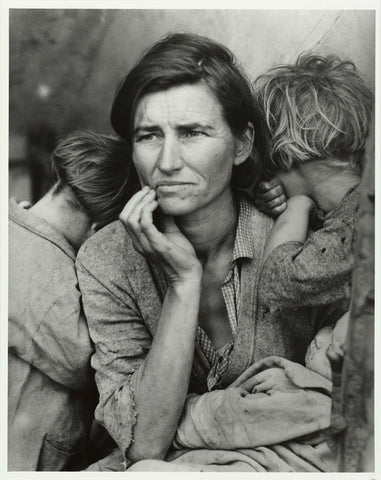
[(123, 294), (318, 271), (51, 388)]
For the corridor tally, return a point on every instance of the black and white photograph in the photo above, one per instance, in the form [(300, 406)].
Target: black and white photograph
[(188, 237)]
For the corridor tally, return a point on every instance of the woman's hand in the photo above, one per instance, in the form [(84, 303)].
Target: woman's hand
[(168, 248), (270, 197), (272, 379), (167, 366)]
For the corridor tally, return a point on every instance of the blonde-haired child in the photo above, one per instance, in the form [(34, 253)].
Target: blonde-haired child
[(317, 113)]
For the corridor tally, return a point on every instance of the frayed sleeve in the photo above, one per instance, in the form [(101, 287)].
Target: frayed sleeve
[(121, 341), (313, 273)]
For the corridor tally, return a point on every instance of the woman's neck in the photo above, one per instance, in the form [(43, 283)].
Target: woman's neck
[(212, 229)]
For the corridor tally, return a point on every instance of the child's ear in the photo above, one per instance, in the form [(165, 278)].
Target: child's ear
[(244, 145)]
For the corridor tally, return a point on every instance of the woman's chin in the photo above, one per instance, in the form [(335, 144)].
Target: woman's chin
[(175, 207)]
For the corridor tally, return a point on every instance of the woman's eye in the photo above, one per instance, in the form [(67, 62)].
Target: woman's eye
[(148, 137), (194, 133)]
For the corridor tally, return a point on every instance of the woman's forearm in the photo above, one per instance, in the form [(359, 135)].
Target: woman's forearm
[(163, 378)]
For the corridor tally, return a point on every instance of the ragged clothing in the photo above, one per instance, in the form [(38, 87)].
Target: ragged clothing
[(240, 417), (123, 295), (318, 271), (277, 430), (52, 393)]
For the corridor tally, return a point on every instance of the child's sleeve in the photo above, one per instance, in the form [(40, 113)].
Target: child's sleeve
[(313, 273)]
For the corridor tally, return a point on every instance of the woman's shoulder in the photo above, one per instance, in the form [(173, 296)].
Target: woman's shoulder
[(110, 247), (108, 258)]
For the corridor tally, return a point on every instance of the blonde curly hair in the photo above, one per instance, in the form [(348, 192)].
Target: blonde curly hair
[(317, 108)]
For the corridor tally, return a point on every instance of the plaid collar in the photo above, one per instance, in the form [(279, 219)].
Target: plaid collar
[(244, 244)]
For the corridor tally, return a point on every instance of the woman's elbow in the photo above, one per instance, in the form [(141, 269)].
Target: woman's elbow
[(147, 451)]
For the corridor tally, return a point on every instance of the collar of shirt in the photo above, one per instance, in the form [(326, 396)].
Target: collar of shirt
[(243, 243), (243, 248), (25, 218)]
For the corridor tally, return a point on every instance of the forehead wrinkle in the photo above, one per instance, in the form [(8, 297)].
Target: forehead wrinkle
[(161, 107)]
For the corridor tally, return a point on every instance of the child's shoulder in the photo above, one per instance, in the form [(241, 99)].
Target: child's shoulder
[(347, 209)]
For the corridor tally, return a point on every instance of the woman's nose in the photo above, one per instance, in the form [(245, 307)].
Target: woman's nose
[(169, 156)]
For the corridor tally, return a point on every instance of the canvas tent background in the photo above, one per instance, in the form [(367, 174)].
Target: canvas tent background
[(66, 64)]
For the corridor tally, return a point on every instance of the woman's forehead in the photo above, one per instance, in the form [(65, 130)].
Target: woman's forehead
[(187, 103)]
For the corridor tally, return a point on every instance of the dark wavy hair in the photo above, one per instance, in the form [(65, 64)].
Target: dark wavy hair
[(185, 58), (317, 108), (94, 170)]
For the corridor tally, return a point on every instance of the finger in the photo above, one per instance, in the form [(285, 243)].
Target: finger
[(135, 215), (249, 384), (132, 223), (143, 243), (262, 208), (139, 221), (132, 219), (146, 214), (271, 194), (335, 354), (132, 203), (268, 185), (158, 242), (272, 212), (276, 202), (263, 386), (146, 232), (276, 211), (25, 204), (142, 238), (148, 228), (262, 376)]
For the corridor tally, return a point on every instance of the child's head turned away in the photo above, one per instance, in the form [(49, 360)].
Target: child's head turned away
[(318, 108)]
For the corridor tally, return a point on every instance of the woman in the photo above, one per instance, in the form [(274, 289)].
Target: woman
[(170, 292)]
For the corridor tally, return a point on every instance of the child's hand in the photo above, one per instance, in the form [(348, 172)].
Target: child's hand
[(24, 204), (336, 350), (272, 379), (270, 197)]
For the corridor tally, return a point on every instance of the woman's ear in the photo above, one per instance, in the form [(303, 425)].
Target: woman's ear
[(244, 145)]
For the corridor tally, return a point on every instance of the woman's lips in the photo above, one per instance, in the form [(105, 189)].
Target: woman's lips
[(172, 187)]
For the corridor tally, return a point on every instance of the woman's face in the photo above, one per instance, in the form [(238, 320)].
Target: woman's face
[(183, 147)]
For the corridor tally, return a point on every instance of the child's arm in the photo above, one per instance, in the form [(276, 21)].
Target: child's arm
[(310, 274), (313, 272), (292, 224)]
